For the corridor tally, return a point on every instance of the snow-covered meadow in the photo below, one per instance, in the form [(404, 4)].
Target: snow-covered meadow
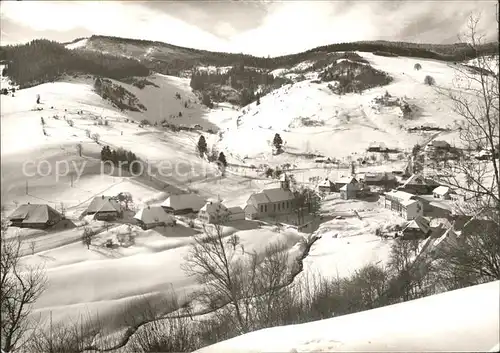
[(464, 320)]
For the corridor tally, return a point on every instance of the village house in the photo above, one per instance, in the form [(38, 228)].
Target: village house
[(404, 204), (417, 228), (342, 181), (382, 179), (214, 211), (350, 190), (377, 147), (36, 216), (326, 186), (153, 216), (183, 203), (437, 145), (442, 192), (418, 185), (269, 202), (104, 208), (435, 207)]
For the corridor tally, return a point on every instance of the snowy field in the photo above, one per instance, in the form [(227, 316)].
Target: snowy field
[(348, 120), (464, 320)]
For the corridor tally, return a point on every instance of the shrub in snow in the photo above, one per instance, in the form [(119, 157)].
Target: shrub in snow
[(429, 80), (417, 66), (95, 137)]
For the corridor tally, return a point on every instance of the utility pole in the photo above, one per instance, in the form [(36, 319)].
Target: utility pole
[(26, 187), (71, 176)]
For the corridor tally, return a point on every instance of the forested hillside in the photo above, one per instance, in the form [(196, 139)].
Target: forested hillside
[(42, 61), (171, 59)]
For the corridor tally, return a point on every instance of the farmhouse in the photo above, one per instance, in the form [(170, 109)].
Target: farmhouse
[(437, 145), (104, 208), (269, 202), (417, 228), (326, 186), (387, 180), (339, 183), (418, 185), (183, 203), (214, 211), (404, 204), (153, 216), (377, 147), (37, 216)]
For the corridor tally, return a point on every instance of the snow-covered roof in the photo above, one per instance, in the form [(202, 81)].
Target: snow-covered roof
[(153, 214), (399, 195), (420, 223), (415, 179), (35, 213), (347, 180), (407, 203), (273, 195), (213, 207), (326, 182), (374, 176), (440, 143), (235, 210), (441, 190), (184, 201), (103, 204)]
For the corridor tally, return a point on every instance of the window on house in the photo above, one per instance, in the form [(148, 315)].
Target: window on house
[(279, 206), (274, 207), (265, 208), (261, 208), (283, 205)]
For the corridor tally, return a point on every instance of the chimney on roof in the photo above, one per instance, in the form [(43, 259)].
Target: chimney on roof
[(102, 197)]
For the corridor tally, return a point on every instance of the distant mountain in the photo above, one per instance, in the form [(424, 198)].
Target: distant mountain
[(42, 60), (170, 59)]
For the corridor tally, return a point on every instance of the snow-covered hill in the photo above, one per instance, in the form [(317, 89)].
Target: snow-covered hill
[(308, 114), (464, 320)]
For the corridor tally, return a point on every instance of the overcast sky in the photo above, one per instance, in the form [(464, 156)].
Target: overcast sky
[(253, 27)]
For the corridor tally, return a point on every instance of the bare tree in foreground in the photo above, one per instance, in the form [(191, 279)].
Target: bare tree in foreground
[(475, 257), (475, 98), (20, 287), (248, 282)]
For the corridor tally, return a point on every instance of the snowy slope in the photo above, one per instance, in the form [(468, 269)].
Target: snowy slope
[(349, 123), (458, 321)]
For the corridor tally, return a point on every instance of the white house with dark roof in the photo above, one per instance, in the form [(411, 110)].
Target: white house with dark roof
[(214, 211), (269, 202), (404, 204), (153, 216)]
